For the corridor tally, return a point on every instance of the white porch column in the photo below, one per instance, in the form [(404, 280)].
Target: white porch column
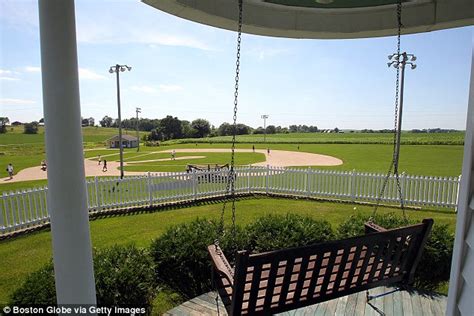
[(67, 199), (461, 281)]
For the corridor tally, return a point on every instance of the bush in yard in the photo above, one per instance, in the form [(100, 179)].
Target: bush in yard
[(435, 264), (181, 258), (123, 275), (272, 232), (38, 288), (182, 261)]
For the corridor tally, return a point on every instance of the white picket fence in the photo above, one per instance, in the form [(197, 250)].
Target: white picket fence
[(28, 208)]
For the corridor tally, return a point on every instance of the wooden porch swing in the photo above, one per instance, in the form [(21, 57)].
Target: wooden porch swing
[(278, 281), (286, 279)]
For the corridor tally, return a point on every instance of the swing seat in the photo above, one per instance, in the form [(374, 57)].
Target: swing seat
[(282, 280)]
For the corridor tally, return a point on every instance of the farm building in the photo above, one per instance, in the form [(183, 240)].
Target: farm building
[(128, 141)]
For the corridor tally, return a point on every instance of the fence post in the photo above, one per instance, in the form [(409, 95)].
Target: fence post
[(457, 194), (3, 223), (352, 188), (98, 197), (248, 178), (267, 179), (306, 182), (194, 185), (149, 187), (402, 187)]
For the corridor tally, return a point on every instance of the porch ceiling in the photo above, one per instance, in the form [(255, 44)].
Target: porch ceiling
[(323, 18)]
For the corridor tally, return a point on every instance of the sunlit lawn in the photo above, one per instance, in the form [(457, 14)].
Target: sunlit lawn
[(23, 255)]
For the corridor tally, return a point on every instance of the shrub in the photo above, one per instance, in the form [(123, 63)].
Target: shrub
[(181, 258), (182, 261), (123, 275), (37, 289), (273, 232), (435, 264), (354, 225)]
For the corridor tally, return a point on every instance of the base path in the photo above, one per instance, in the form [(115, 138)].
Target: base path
[(276, 158)]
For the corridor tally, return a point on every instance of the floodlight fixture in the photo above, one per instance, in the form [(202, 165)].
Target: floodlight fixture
[(117, 69)]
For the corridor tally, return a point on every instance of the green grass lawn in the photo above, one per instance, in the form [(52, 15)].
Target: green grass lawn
[(25, 254)]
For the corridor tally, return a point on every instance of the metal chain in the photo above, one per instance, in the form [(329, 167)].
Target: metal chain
[(230, 185), (231, 176), (395, 158)]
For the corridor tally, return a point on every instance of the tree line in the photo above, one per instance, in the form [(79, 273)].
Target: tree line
[(171, 127)]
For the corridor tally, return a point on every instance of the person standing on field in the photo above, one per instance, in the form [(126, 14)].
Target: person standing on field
[(104, 167), (10, 170), (100, 159)]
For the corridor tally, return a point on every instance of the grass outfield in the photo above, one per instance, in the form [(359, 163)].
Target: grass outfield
[(430, 160), (454, 138), (433, 160), (25, 254)]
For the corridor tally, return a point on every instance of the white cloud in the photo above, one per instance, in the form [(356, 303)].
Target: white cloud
[(33, 69), (6, 101), (170, 87), (9, 78), (88, 74), (84, 73), (144, 88), (8, 75), (7, 72)]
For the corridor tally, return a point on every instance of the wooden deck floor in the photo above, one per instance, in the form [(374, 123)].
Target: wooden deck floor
[(398, 304)]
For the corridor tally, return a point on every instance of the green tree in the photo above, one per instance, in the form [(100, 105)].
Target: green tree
[(31, 128), (271, 129), (170, 127), (188, 131), (201, 127), (3, 124), (106, 121)]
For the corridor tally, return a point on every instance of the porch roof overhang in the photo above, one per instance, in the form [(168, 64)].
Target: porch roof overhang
[(324, 19)]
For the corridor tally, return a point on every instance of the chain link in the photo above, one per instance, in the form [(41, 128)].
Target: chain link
[(395, 158), (231, 176)]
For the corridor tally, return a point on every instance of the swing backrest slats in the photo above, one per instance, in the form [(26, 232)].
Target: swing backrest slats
[(282, 280)]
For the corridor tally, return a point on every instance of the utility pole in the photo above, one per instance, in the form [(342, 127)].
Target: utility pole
[(138, 110), (264, 116), (400, 61), (117, 69)]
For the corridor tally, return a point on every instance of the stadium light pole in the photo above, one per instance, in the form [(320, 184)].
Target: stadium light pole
[(117, 69), (138, 110), (400, 61), (264, 117)]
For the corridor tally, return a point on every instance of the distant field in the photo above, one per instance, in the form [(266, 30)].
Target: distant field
[(90, 135), (408, 138), (363, 153)]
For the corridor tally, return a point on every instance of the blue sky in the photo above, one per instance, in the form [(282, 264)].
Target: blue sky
[(185, 69)]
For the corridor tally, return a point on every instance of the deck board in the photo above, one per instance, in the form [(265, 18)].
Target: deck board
[(402, 303)]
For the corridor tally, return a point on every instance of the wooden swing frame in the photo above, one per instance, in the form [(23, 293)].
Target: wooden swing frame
[(282, 280)]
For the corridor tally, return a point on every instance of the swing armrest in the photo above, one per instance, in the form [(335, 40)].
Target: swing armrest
[(371, 227), (220, 263)]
